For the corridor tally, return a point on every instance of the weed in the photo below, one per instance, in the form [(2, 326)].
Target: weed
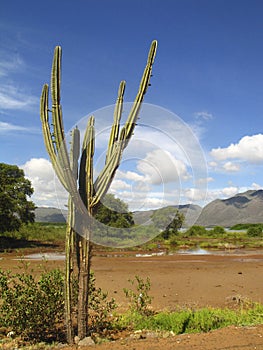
[(139, 298)]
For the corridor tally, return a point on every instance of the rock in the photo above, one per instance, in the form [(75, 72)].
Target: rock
[(76, 339), (88, 341)]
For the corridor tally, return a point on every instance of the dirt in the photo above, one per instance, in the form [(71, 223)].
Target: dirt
[(217, 280)]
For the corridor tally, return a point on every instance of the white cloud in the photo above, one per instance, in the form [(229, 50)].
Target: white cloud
[(205, 180), (231, 167), (212, 164), (204, 115), (6, 127), (256, 186), (230, 191), (249, 148), (11, 128), (8, 64), (161, 167), (47, 190), (12, 98)]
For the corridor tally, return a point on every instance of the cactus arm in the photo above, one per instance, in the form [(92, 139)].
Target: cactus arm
[(49, 142), (106, 176), (133, 116), (116, 120)]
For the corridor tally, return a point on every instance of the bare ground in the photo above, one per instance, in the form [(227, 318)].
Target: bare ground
[(177, 281)]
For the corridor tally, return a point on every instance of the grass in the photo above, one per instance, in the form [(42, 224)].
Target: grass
[(194, 321)]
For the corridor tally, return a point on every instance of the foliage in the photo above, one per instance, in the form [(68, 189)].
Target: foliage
[(193, 321), (15, 208), (238, 227), (217, 231), (169, 220), (114, 212), (254, 231), (100, 307), (34, 308), (139, 298), (195, 230)]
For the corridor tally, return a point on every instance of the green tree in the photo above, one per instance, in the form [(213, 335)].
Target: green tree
[(169, 220), (114, 212), (254, 231), (195, 230), (15, 208)]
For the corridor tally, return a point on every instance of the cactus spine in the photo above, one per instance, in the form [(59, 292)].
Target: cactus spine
[(84, 193)]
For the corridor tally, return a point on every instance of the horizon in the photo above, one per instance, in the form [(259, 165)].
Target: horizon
[(200, 134)]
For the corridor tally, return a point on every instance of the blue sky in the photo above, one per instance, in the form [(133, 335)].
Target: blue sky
[(208, 71)]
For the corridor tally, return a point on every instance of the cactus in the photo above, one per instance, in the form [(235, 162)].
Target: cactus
[(85, 194)]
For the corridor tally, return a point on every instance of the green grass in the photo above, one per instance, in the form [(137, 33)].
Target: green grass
[(42, 232), (194, 321)]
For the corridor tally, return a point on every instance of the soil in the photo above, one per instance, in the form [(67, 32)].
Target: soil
[(216, 280)]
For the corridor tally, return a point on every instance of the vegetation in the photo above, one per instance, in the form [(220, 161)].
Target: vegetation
[(139, 297), (195, 320), (34, 307), (169, 220), (114, 212), (15, 208)]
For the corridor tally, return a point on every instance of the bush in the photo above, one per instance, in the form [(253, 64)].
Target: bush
[(139, 299), (195, 231), (254, 231), (32, 308), (217, 231)]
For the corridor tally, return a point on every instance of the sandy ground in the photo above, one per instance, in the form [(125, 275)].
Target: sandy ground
[(216, 280)]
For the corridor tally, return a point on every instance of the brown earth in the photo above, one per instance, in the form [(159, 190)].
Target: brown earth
[(216, 280)]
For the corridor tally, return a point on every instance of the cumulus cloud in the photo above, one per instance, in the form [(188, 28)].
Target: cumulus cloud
[(47, 189), (231, 167), (230, 191), (249, 148), (161, 167)]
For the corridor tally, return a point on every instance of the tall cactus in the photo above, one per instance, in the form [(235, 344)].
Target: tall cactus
[(84, 193)]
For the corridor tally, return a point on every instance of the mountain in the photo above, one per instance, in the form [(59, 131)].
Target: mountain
[(190, 211), (43, 214), (244, 207)]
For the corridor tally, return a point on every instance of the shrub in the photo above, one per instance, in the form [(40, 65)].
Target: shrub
[(32, 308), (217, 231), (195, 231), (139, 298), (254, 231)]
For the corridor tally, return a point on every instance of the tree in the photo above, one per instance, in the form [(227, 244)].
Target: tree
[(169, 220), (15, 208), (114, 212)]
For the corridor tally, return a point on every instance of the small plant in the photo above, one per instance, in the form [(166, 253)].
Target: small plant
[(139, 298), (101, 308)]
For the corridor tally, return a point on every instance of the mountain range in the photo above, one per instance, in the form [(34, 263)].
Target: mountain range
[(244, 207)]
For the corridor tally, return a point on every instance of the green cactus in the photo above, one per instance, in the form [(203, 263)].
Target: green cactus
[(85, 194)]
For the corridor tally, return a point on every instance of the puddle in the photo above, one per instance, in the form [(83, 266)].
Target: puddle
[(44, 256), (150, 255), (196, 251)]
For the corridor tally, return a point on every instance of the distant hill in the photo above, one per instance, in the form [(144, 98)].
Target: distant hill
[(190, 211), (244, 207), (43, 214)]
